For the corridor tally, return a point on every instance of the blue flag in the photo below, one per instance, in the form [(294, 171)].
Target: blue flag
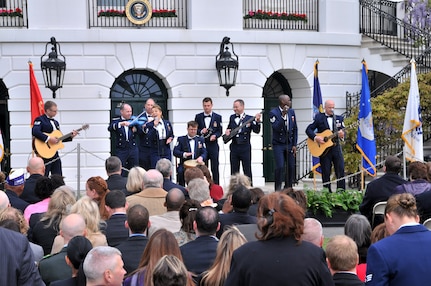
[(317, 108), (366, 143)]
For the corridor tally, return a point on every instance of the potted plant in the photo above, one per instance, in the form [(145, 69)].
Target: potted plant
[(333, 208)]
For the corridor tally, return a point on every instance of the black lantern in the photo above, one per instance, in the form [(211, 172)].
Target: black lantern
[(226, 65), (53, 68)]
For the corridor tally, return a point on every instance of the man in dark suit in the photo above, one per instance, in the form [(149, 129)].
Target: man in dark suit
[(125, 146), (16, 259), (342, 257), (116, 231), (199, 254), (284, 140), (54, 267), (240, 148), (189, 147), (210, 127), (144, 140), (132, 248), (47, 124), (113, 169), (380, 189), (333, 155), (14, 186), (164, 166), (36, 169), (241, 201)]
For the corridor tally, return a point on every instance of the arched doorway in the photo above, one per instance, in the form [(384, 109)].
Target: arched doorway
[(4, 126), (135, 87), (275, 86)]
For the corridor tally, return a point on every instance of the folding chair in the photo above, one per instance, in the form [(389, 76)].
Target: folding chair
[(378, 209), (427, 223)]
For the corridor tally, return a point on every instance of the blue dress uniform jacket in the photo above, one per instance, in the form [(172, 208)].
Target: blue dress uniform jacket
[(159, 148), (401, 259), (144, 144), (183, 146), (216, 128), (240, 148), (334, 155), (126, 148), (284, 137)]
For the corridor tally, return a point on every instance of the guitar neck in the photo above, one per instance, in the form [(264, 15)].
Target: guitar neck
[(68, 135)]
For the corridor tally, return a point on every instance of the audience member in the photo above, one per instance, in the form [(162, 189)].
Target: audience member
[(113, 169), (135, 180), (152, 196), (216, 191), (199, 254), (256, 195), (358, 228), (116, 230), (193, 173), (241, 201), (164, 166), (378, 233), (15, 216), (161, 243), (14, 186), (54, 267), (380, 189), (43, 191), (418, 175), (235, 180), (2, 180), (47, 227), (171, 219), (4, 201), (231, 239), (342, 258), (402, 258), (187, 217), (279, 249), (57, 181), (199, 190), (77, 250), (313, 232), (103, 266), (97, 188), (133, 247), (170, 271), (423, 202), (36, 169), (18, 267), (298, 196)]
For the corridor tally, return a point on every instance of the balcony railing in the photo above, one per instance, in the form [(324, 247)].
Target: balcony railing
[(111, 13), (281, 14), (13, 13)]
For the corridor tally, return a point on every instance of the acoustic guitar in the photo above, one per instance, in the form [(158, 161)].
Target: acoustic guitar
[(47, 150), (317, 149)]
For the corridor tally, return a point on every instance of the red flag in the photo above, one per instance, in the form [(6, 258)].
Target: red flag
[(36, 101)]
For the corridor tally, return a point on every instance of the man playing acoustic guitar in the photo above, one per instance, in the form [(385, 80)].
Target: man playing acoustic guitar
[(333, 154), (47, 124)]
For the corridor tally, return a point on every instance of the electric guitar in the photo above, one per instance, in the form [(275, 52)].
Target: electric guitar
[(47, 150), (317, 149), (234, 132)]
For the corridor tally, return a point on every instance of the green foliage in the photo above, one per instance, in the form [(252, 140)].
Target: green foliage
[(325, 201), (388, 119)]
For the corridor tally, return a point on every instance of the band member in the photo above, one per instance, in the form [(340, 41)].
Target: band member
[(42, 126), (334, 154), (210, 127), (144, 142), (160, 134), (240, 148), (125, 147), (189, 147), (284, 140)]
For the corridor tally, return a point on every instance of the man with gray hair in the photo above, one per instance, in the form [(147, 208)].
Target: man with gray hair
[(313, 232), (113, 168), (199, 190), (103, 266), (4, 201), (152, 195), (164, 166)]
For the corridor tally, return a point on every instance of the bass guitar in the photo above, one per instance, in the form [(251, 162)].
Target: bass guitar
[(234, 132), (317, 149), (47, 150)]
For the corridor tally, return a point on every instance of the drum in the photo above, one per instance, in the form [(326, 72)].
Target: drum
[(190, 163)]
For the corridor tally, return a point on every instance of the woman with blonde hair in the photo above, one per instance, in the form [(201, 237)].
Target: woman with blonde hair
[(230, 240), (135, 180), (97, 188), (236, 180)]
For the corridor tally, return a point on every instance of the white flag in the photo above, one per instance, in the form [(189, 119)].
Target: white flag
[(412, 130)]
